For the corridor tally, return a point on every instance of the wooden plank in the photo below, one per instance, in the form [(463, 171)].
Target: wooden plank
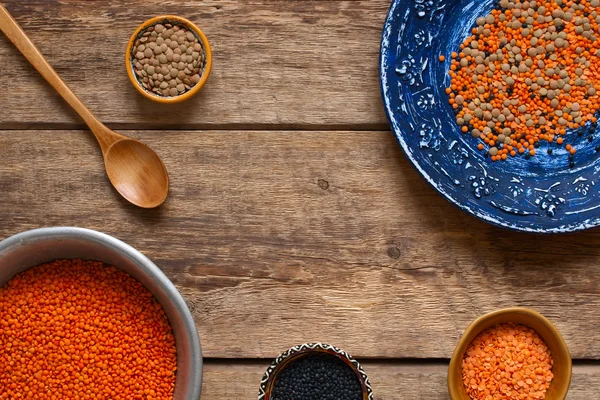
[(390, 381), (276, 62), (280, 238)]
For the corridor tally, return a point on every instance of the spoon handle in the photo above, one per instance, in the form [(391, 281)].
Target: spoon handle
[(19, 38)]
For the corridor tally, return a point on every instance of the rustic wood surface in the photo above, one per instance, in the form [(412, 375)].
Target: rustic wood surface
[(293, 215), (392, 380), (297, 63), (278, 238)]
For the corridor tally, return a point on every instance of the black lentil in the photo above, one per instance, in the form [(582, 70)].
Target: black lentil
[(317, 377)]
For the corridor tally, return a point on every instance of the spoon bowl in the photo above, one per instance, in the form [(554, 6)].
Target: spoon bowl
[(137, 173)]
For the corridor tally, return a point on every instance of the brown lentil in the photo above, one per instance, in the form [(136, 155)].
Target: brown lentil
[(172, 50)]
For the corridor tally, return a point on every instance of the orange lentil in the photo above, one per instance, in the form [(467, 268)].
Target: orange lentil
[(442, 58), (507, 361), (83, 330)]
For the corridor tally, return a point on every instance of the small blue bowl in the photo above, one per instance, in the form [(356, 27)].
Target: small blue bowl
[(541, 194)]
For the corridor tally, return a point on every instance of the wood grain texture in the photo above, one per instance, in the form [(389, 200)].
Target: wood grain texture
[(296, 63), (390, 381), (280, 238)]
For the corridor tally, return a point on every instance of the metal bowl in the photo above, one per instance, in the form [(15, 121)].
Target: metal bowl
[(35, 247)]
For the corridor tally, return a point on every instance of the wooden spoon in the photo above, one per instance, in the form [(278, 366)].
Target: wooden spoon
[(133, 168)]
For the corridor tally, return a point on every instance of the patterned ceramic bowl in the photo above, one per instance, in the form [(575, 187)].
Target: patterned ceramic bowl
[(130, 57), (284, 359)]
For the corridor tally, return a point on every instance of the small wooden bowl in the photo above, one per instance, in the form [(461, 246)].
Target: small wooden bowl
[(129, 58), (558, 348), (284, 359)]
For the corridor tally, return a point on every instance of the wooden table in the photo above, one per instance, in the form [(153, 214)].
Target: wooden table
[(293, 215)]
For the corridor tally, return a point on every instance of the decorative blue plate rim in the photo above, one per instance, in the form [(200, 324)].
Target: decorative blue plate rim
[(518, 195)]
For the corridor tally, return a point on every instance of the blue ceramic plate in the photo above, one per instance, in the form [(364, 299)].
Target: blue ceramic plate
[(541, 194)]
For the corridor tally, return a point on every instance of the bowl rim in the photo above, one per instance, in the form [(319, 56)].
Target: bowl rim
[(127, 251), (466, 339), (205, 44), (306, 348)]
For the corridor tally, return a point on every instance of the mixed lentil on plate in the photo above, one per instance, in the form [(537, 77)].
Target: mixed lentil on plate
[(529, 72)]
